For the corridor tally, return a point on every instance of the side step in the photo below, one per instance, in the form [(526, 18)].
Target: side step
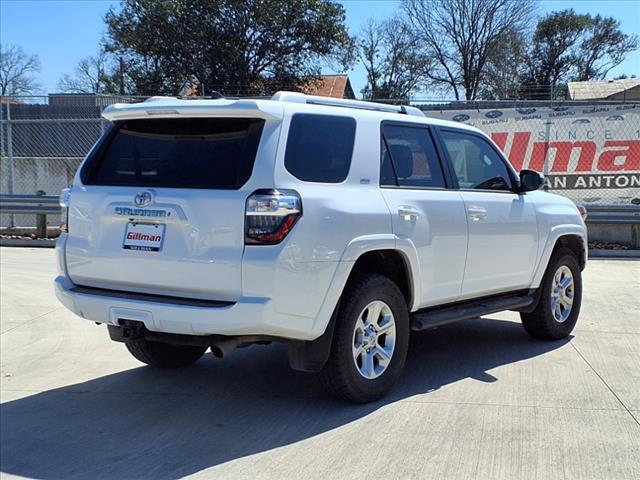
[(436, 316)]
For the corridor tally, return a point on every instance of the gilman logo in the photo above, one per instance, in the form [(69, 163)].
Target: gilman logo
[(619, 156), (143, 236), (578, 164)]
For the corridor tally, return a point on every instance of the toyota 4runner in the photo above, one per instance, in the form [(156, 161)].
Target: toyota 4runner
[(336, 226)]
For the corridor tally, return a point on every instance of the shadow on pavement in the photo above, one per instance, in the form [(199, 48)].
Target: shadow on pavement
[(146, 423)]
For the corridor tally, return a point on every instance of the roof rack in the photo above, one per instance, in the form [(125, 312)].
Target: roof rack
[(295, 97)]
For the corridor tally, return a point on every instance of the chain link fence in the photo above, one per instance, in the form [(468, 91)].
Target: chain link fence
[(43, 141), (589, 151)]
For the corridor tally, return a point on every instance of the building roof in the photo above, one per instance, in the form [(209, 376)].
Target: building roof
[(10, 100), (611, 89), (334, 86)]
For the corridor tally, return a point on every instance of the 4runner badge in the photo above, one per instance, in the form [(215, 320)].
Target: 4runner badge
[(143, 199)]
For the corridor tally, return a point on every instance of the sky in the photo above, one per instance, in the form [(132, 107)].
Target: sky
[(61, 32)]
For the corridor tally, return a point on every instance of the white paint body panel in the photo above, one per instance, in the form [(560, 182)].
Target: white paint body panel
[(290, 290), (503, 243), (438, 233)]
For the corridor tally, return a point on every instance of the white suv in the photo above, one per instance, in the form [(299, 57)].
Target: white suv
[(336, 226)]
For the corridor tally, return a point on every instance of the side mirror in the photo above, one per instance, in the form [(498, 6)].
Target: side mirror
[(530, 180)]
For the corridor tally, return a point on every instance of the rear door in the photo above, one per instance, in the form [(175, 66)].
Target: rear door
[(503, 230), (423, 209), (160, 207)]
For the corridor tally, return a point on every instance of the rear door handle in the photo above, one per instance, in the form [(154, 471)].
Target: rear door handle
[(477, 213), (408, 213)]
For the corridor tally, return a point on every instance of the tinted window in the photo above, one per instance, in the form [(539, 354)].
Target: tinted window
[(213, 153), (319, 147), (409, 158), (476, 163)]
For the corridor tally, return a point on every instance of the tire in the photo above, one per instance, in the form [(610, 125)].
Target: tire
[(165, 355), (547, 322), (344, 373)]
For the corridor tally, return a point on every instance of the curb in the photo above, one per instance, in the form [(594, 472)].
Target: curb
[(605, 253), (23, 242)]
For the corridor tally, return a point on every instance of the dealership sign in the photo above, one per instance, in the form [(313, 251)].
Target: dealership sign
[(595, 150)]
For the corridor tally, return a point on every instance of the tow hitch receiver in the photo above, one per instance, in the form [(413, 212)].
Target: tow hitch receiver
[(127, 331)]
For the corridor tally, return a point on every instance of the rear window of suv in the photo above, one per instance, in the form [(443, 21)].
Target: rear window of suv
[(215, 153), (319, 147)]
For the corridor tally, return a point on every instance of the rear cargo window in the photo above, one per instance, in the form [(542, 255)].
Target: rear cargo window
[(319, 147), (216, 153)]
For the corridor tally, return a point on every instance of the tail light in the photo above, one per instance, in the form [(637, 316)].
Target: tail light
[(65, 196), (270, 215)]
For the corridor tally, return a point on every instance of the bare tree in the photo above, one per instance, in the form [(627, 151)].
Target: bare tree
[(392, 57), (16, 71), (90, 76), (463, 34)]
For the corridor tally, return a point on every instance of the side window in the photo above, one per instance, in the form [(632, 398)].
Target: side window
[(409, 158), (476, 163), (319, 147)]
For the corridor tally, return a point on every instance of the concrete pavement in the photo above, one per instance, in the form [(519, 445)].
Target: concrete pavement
[(478, 400)]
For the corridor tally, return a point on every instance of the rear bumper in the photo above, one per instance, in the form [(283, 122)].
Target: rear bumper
[(249, 316)]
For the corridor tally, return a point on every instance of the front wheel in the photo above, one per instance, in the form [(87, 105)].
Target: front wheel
[(370, 342), (557, 311)]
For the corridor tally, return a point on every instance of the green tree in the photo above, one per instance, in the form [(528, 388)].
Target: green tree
[(569, 46), (602, 48), (505, 67), (553, 56), (234, 46)]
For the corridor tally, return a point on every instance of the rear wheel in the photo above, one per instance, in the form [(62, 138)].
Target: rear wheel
[(165, 355), (557, 311), (370, 340)]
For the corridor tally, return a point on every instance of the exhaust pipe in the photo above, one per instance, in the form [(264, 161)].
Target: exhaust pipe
[(222, 348)]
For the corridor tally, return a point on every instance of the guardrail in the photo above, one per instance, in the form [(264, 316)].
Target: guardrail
[(39, 204), (42, 205), (613, 214)]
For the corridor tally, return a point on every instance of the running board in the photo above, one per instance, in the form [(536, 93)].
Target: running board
[(434, 317)]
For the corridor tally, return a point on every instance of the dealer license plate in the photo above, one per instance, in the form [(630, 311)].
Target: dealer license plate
[(144, 236)]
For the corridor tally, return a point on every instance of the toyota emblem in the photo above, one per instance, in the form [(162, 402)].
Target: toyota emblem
[(143, 199)]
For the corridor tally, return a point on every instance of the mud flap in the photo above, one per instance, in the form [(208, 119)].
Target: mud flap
[(310, 356)]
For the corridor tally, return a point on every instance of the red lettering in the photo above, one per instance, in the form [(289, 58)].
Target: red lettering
[(560, 162), (501, 139), (519, 149), (629, 157), (615, 156), (143, 236)]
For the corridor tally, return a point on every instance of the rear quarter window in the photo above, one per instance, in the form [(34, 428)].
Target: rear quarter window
[(215, 153), (319, 147)]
